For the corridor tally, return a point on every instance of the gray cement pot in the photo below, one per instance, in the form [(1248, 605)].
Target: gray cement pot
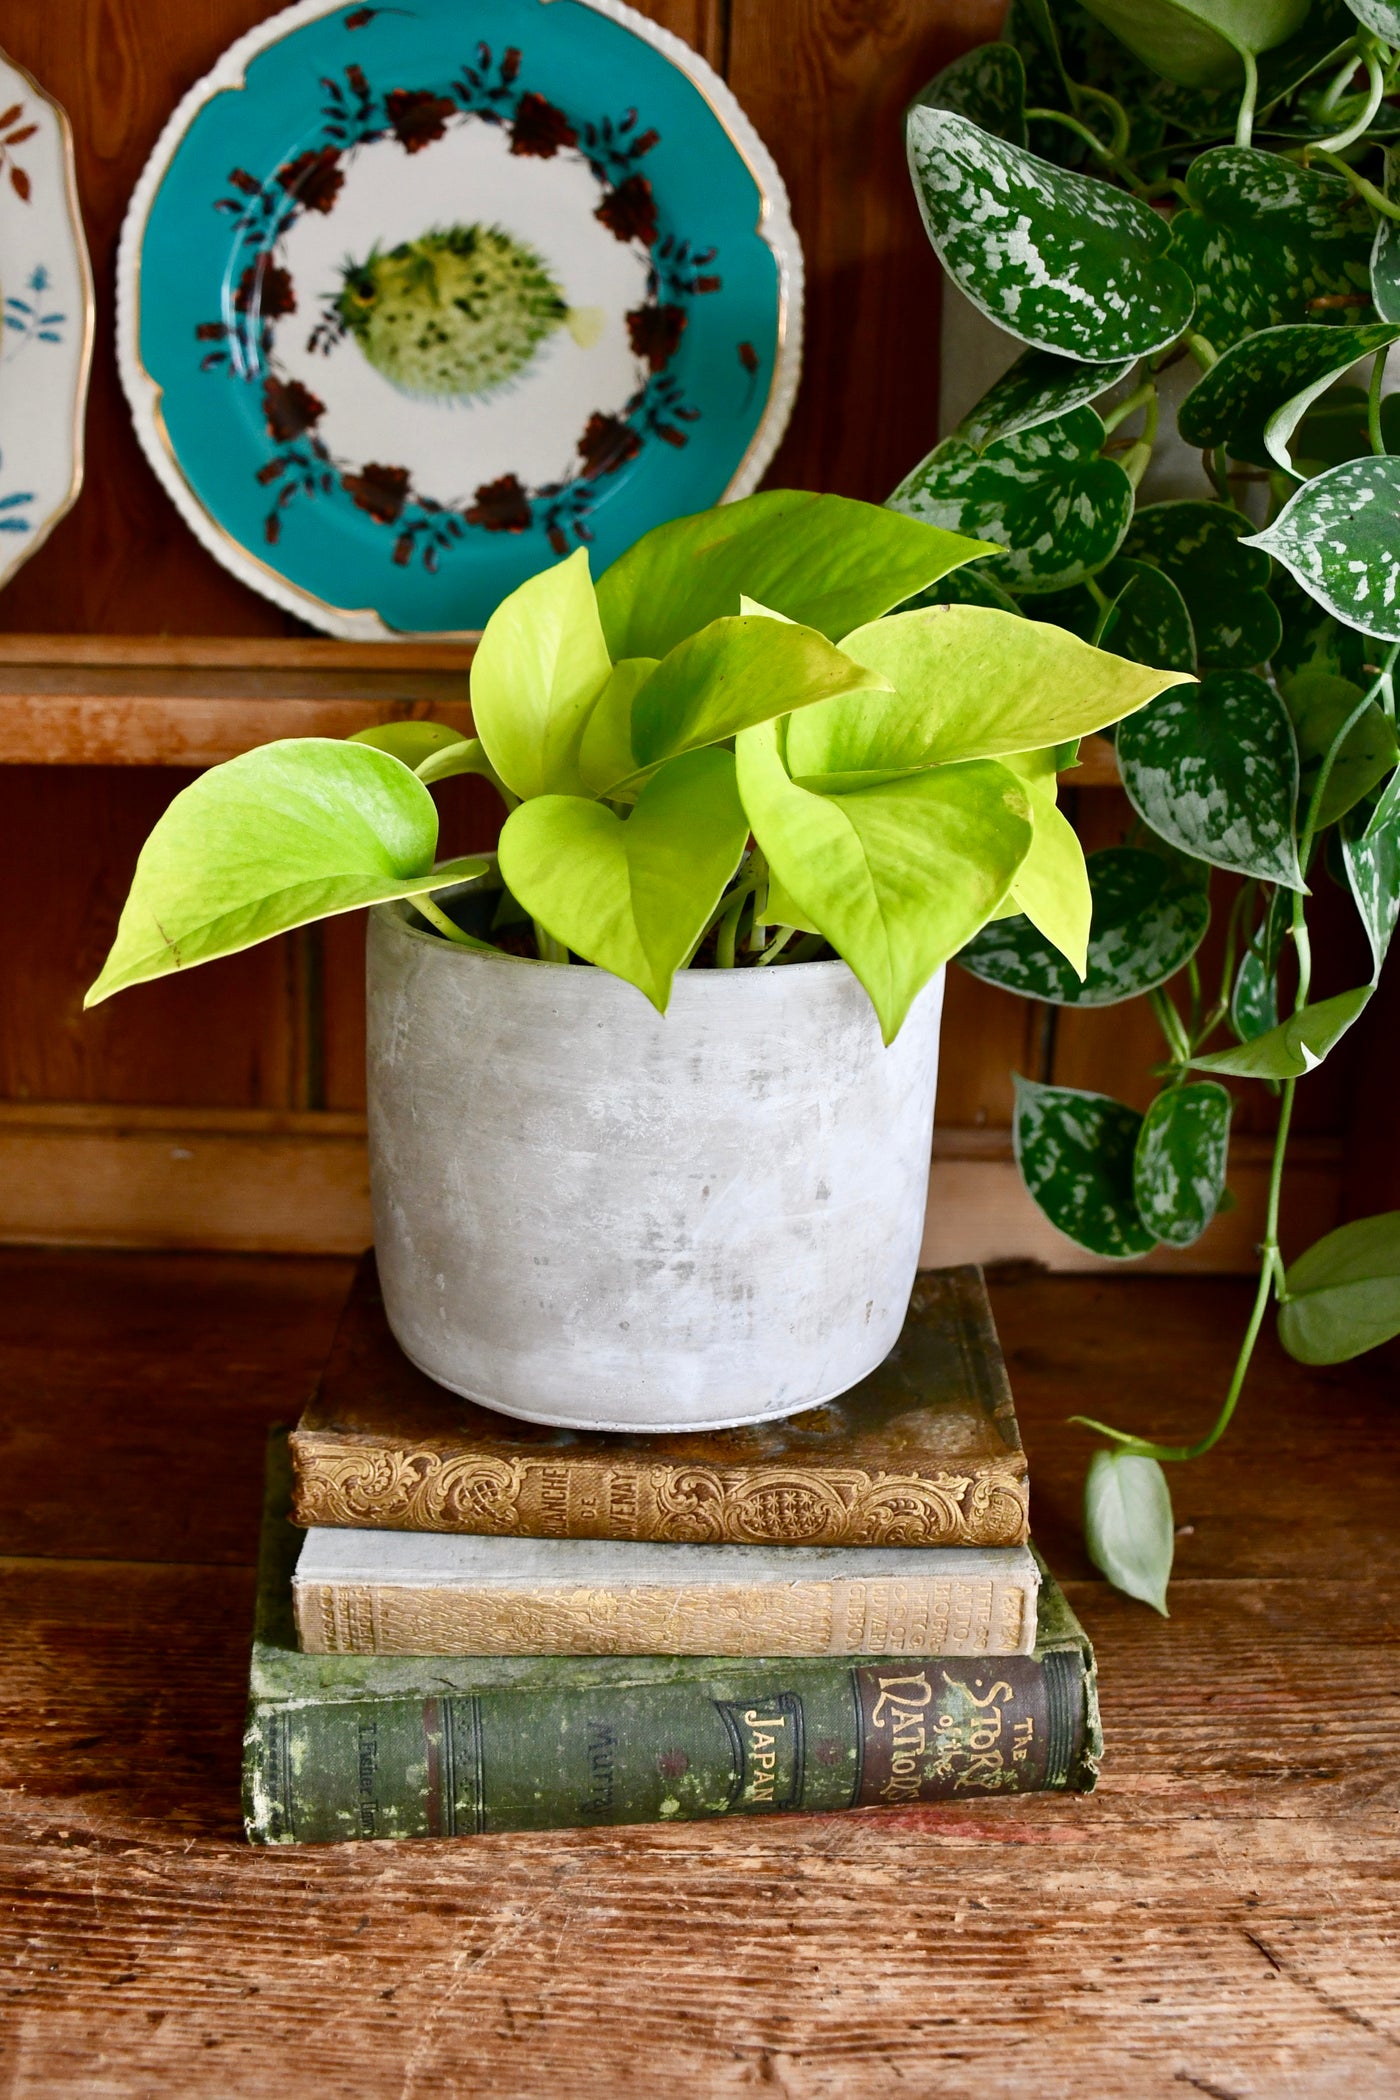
[(592, 1215)]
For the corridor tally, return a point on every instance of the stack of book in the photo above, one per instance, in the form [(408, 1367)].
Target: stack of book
[(468, 1623)]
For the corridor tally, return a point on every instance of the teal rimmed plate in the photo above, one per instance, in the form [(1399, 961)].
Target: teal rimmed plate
[(412, 300)]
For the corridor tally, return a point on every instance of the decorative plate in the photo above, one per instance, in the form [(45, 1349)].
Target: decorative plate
[(411, 298), (46, 337)]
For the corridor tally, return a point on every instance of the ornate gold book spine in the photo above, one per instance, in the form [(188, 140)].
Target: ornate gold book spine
[(419, 1488), (918, 1615)]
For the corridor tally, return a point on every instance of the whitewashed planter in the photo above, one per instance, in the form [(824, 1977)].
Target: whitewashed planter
[(591, 1215)]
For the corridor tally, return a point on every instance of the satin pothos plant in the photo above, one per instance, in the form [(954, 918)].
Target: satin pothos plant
[(1140, 195), (724, 754)]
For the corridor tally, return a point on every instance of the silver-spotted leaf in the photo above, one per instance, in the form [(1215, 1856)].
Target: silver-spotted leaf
[(1372, 863), (1039, 388), (1344, 1293), (1381, 16), (1235, 402), (988, 86), (1128, 1524), (1046, 497), (1297, 1046), (1179, 1162), (1063, 262), (1149, 623), (1321, 706), (1263, 239), (1385, 255), (1312, 640), (1213, 768), (1253, 998), (967, 586), (1149, 917), (1204, 549), (1075, 1152), (1340, 536)]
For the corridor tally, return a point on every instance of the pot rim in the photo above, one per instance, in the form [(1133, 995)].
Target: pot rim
[(393, 914)]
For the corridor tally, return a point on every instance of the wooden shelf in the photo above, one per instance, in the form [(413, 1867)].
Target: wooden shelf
[(186, 700)]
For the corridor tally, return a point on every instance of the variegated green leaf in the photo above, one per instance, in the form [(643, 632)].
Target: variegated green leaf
[(1179, 1161), (1149, 623), (1264, 238), (1213, 768), (1312, 640), (1266, 383), (1385, 254), (1205, 550), (986, 85), (1254, 998), (1063, 262), (1373, 872), (1039, 388), (1382, 16), (1320, 705), (969, 586), (1149, 918), (1297, 1046), (1075, 1152), (1340, 536), (1046, 496), (1197, 43), (1128, 1525)]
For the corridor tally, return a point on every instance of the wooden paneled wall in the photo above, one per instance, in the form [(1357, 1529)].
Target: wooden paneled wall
[(268, 1044)]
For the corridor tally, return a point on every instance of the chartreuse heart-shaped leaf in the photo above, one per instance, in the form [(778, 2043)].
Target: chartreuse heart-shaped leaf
[(539, 667), (467, 755), (1179, 1161), (1197, 43), (824, 561), (1075, 1152), (1373, 872), (1205, 550), (1050, 889), (1054, 507), (633, 894), (1344, 1293), (409, 742), (1263, 239), (1063, 262), (1149, 918), (1128, 1525), (1149, 623), (897, 877), (291, 832), (1297, 1046), (1040, 387), (735, 673), (987, 85), (1266, 384), (1213, 768), (605, 753), (967, 683), (1321, 706), (1340, 536)]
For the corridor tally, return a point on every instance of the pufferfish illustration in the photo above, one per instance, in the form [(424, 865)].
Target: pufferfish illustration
[(457, 313)]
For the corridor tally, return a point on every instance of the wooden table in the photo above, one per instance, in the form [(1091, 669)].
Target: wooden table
[(1221, 1918)]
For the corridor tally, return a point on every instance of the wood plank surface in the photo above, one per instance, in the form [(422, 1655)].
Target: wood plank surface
[(1220, 1918)]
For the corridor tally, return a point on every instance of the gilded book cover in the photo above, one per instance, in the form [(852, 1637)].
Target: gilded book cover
[(924, 1452), (404, 1746)]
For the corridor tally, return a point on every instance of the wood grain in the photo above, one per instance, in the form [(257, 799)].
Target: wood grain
[(1220, 1918)]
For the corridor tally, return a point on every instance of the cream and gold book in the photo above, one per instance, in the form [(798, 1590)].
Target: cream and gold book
[(427, 1593)]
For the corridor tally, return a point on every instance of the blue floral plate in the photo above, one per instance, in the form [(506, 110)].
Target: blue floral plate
[(414, 299)]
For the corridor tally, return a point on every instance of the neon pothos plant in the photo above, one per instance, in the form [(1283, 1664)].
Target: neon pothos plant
[(1124, 187), (694, 770)]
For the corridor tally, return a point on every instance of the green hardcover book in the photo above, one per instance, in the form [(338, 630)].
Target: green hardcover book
[(379, 1746)]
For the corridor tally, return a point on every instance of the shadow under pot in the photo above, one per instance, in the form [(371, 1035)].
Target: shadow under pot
[(593, 1215)]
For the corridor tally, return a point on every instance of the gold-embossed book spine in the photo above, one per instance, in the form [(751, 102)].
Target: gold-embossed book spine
[(425, 1489)]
